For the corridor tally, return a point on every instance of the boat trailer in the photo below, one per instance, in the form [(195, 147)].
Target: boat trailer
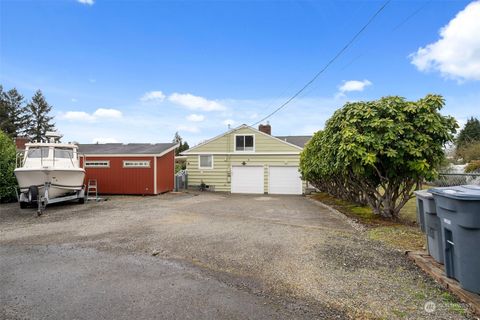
[(33, 196)]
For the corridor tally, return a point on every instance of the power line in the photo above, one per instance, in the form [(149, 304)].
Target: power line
[(349, 43)]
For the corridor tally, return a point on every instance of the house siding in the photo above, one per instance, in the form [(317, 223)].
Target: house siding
[(165, 172), (268, 152), (133, 181), (119, 180), (220, 176), (263, 143)]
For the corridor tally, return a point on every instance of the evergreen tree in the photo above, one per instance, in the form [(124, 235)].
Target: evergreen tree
[(4, 119), (177, 139), (39, 120), (185, 146), (13, 113), (469, 134)]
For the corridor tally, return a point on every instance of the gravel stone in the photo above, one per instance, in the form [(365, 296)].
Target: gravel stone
[(267, 256)]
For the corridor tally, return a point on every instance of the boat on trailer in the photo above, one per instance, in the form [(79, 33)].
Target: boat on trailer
[(50, 172)]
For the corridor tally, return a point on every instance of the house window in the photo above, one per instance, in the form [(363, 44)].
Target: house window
[(97, 164), (244, 143), (205, 161), (136, 164)]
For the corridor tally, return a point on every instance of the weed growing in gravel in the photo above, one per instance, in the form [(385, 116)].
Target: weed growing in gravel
[(452, 302), (400, 314)]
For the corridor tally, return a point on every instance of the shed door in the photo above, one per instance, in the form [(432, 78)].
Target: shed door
[(247, 179), (284, 180)]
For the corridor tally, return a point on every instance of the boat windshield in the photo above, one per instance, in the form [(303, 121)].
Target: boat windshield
[(41, 152), (63, 153)]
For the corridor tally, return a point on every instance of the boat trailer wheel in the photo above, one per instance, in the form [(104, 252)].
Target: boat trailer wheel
[(32, 194)]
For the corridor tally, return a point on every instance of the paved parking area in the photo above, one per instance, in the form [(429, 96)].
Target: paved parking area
[(206, 256)]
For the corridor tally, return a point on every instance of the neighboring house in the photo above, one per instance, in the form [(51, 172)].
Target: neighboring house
[(247, 160), (135, 168)]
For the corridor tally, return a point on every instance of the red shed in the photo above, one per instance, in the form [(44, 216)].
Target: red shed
[(135, 168)]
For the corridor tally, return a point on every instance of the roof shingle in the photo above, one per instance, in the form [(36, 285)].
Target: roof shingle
[(120, 148), (296, 140)]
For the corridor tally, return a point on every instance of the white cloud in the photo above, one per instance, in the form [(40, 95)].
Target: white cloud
[(104, 140), (74, 100), (457, 53), (91, 80), (88, 2), (107, 113), (196, 117), (229, 122), (195, 102), (153, 96), (354, 85), (191, 129), (77, 116), (84, 116)]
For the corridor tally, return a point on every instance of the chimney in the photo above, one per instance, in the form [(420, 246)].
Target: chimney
[(20, 142), (265, 128)]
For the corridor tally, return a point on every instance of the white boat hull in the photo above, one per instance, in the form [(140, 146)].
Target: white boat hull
[(62, 181)]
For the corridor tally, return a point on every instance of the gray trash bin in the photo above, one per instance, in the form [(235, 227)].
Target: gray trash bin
[(427, 212), (424, 202), (459, 211)]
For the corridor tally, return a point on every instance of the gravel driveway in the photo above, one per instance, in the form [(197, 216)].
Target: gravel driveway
[(207, 256)]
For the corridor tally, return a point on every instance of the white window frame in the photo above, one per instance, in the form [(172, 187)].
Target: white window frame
[(200, 163), (243, 135), (97, 164), (138, 164)]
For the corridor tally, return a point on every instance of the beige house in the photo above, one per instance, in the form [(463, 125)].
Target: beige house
[(247, 160)]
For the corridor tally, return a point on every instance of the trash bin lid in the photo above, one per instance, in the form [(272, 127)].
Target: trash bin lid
[(423, 194), (466, 192)]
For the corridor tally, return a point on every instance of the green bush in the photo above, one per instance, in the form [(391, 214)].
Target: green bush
[(378, 152), (8, 183), (473, 166), (469, 152), (180, 167)]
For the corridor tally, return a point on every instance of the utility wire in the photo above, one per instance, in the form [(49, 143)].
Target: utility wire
[(349, 43)]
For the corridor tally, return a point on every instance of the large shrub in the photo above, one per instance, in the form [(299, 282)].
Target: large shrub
[(470, 151), (7, 165), (378, 152), (473, 167)]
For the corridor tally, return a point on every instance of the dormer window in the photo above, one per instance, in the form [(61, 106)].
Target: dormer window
[(245, 142)]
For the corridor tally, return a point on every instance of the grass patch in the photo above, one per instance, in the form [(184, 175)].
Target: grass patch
[(400, 314), (403, 234), (453, 304), (448, 297), (365, 214), (402, 237), (408, 214), (457, 308)]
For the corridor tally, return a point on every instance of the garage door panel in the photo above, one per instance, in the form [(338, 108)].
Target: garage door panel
[(247, 179), (285, 180)]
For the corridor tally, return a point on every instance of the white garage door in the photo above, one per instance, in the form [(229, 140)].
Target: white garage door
[(247, 179), (284, 180)]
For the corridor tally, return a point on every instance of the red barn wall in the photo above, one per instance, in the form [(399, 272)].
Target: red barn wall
[(119, 180), (166, 172)]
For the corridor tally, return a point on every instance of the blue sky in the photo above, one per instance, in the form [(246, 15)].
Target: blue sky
[(137, 71)]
